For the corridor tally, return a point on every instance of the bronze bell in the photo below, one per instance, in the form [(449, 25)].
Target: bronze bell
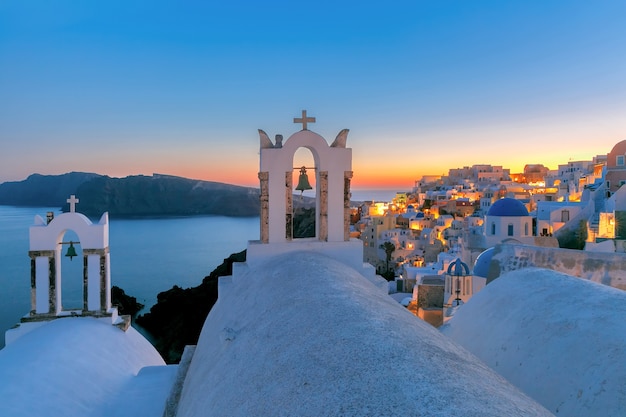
[(71, 251), (303, 181)]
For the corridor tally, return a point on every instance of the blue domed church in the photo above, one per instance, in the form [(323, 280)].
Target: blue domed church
[(508, 220)]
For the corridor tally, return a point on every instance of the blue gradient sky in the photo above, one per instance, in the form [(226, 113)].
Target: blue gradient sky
[(136, 87)]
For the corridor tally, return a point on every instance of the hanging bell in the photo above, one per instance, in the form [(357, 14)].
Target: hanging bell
[(303, 181), (71, 251)]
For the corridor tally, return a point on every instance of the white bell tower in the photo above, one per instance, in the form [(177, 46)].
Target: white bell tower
[(46, 246), (333, 173)]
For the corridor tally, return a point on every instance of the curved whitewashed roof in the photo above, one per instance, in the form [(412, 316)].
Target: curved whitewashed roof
[(306, 335), (82, 367), (560, 339)]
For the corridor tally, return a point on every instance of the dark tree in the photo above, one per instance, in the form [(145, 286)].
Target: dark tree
[(574, 238), (304, 222)]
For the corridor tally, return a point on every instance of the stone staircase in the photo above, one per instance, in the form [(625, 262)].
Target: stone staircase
[(599, 201)]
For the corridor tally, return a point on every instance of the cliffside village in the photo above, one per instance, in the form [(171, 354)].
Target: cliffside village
[(419, 234)]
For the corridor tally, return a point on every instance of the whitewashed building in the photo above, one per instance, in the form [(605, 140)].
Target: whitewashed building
[(552, 215), (507, 219)]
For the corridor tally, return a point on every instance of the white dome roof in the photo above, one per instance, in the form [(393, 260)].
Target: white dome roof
[(558, 338), (306, 335), (80, 367)]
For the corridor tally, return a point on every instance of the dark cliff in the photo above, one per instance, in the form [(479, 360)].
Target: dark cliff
[(178, 316), (133, 196), (43, 190), (162, 195)]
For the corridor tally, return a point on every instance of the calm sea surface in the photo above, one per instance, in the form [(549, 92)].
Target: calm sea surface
[(148, 256)]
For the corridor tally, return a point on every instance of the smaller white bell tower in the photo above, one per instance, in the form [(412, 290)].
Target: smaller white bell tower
[(46, 250)]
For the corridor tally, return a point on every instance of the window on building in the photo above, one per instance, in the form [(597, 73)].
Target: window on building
[(619, 160), (493, 228), (565, 216), (510, 230)]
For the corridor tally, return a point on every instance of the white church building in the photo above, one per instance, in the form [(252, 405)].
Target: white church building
[(507, 219)]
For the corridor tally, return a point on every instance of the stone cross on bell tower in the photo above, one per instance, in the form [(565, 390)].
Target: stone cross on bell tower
[(304, 120), (72, 201)]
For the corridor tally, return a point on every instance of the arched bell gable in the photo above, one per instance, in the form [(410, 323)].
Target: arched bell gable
[(46, 250), (333, 171)]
